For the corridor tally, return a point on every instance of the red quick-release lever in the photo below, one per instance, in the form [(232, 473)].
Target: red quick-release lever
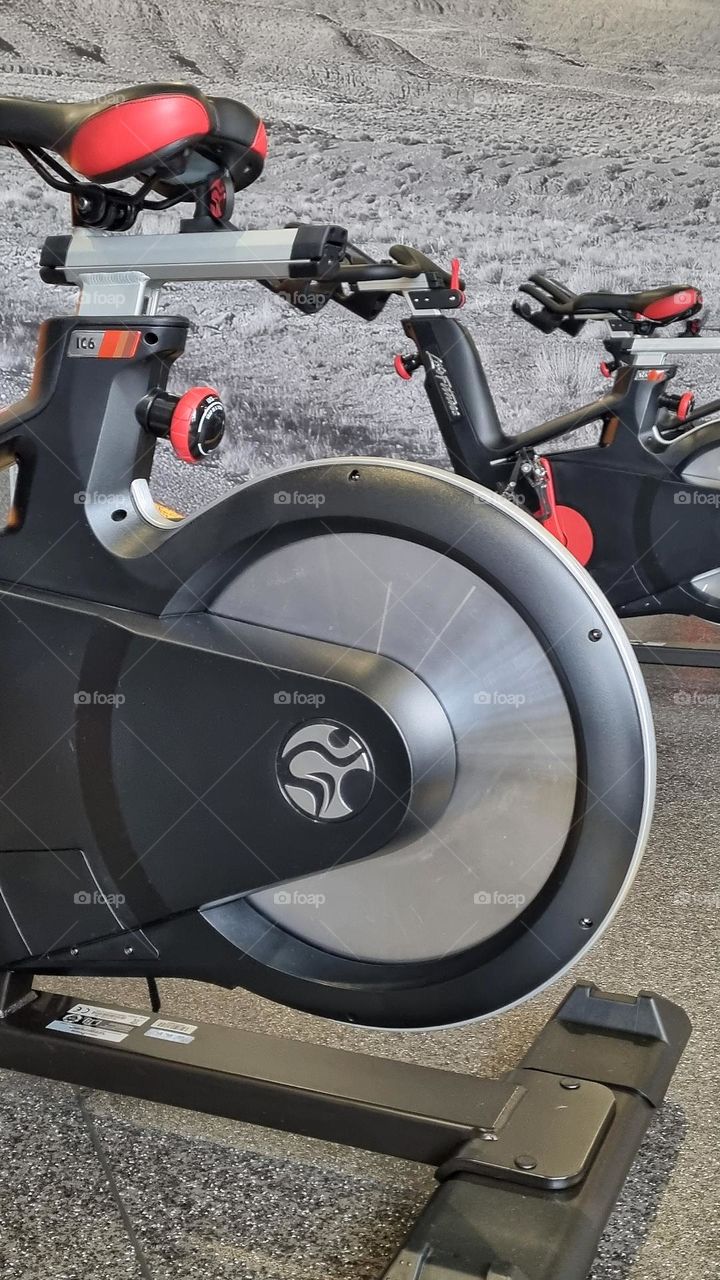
[(686, 405), (455, 280)]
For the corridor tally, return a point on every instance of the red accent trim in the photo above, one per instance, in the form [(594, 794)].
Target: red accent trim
[(605, 369), (128, 132), (259, 143), (182, 421), (400, 369), (218, 199), (578, 533), (676, 305), (108, 346), (132, 342), (566, 524), (687, 401), (119, 344)]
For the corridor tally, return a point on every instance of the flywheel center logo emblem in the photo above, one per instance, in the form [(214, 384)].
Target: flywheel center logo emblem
[(326, 771)]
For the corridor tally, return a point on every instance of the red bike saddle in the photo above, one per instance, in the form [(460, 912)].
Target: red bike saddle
[(135, 132)]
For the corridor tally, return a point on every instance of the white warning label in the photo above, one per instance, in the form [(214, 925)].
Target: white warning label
[(92, 1032), (177, 1037), (185, 1028), (110, 1015)]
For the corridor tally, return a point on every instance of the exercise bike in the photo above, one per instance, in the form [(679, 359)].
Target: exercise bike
[(639, 507), (360, 737)]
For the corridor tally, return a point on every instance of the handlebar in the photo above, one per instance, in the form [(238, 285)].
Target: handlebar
[(358, 267), (555, 305), (356, 273), (363, 285)]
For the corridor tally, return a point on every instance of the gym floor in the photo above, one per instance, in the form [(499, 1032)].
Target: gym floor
[(524, 134), (93, 1187)]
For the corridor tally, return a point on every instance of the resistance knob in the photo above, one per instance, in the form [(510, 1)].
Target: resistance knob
[(193, 423)]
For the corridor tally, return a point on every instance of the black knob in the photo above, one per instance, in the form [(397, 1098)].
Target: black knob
[(155, 412)]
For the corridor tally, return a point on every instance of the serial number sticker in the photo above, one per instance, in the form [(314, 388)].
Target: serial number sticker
[(164, 1024), (111, 1015), (90, 1032), (177, 1037)]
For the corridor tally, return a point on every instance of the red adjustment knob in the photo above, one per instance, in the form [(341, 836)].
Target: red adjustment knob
[(405, 366), (197, 425), (686, 404)]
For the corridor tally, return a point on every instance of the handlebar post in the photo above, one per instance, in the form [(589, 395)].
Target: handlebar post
[(458, 391)]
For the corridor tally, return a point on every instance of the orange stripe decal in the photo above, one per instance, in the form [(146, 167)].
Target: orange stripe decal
[(119, 344), (106, 350)]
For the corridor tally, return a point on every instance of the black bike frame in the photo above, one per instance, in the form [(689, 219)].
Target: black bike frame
[(462, 402), (646, 491)]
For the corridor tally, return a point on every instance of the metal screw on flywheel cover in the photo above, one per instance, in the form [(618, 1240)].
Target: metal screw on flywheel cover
[(525, 1162)]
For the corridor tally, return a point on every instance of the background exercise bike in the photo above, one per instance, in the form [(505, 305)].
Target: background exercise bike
[(639, 508), (360, 737)]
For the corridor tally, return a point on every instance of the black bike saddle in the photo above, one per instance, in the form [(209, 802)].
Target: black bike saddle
[(173, 129), (563, 309), (669, 303)]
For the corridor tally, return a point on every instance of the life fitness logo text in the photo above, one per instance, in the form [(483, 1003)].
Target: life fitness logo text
[(444, 385)]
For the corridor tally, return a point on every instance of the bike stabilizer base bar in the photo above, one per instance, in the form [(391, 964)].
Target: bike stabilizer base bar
[(672, 655), (530, 1165)]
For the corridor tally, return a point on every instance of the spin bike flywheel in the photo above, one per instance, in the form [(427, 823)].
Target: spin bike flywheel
[(539, 832)]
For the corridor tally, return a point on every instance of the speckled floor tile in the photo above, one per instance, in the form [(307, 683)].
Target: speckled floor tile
[(200, 1210), (59, 1219)]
